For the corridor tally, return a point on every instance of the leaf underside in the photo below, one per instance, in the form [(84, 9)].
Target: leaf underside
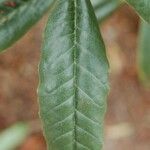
[(17, 16), (142, 7), (144, 53), (73, 78)]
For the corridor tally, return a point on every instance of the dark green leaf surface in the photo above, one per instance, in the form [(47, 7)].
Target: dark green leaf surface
[(104, 8), (73, 78), (144, 53), (17, 16), (142, 7)]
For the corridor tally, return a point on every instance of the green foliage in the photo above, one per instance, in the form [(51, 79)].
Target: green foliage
[(1, 1), (73, 69), (73, 78), (17, 16), (144, 53), (104, 8), (13, 136), (142, 7)]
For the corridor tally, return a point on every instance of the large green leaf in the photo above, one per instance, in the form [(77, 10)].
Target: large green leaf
[(104, 8), (144, 53), (142, 7), (17, 16), (12, 137), (73, 78)]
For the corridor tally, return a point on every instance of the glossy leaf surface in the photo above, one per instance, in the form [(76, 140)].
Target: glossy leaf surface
[(144, 53), (17, 16), (142, 7), (73, 78)]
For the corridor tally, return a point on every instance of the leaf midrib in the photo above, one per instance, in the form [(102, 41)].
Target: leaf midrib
[(75, 71)]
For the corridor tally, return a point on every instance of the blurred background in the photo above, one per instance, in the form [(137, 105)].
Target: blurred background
[(127, 124)]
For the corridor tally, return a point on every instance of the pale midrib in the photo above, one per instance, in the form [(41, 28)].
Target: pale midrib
[(75, 71)]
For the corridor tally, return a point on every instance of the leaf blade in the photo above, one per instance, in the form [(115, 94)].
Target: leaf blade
[(142, 7), (16, 133), (17, 21), (104, 8), (144, 53), (73, 78)]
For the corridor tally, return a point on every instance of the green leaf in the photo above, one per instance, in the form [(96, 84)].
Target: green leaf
[(142, 7), (144, 53), (17, 17), (13, 136), (2, 1), (73, 78), (104, 8)]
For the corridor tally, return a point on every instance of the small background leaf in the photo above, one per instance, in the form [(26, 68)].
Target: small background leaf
[(17, 16), (144, 53), (104, 8), (12, 137), (142, 7)]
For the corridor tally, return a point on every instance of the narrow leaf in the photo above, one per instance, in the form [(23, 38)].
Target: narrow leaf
[(17, 16), (73, 78), (144, 53), (104, 8), (12, 137), (142, 7)]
